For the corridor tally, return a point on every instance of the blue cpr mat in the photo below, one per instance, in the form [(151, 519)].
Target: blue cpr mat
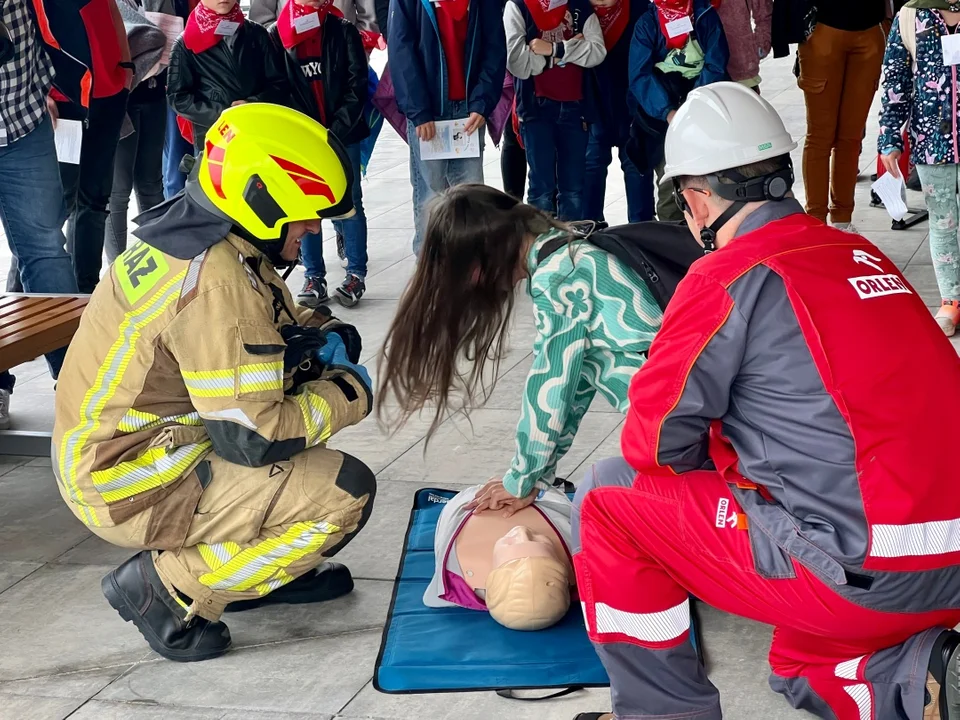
[(428, 650)]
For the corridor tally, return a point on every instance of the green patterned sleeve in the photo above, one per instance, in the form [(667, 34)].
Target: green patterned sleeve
[(554, 399)]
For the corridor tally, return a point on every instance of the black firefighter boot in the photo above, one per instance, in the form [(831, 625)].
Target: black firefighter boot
[(944, 668), (327, 582), (136, 591)]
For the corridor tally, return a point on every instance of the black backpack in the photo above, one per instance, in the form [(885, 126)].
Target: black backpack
[(659, 252)]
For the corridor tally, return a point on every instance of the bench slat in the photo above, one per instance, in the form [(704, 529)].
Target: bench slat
[(31, 325)]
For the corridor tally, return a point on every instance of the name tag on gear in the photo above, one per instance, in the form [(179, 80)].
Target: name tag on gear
[(139, 269), (307, 22), (226, 28), (681, 26)]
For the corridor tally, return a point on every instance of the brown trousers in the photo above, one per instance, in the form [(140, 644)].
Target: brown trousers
[(255, 529), (839, 76)]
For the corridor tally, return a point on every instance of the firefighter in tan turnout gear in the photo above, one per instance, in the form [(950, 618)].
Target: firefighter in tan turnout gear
[(196, 401)]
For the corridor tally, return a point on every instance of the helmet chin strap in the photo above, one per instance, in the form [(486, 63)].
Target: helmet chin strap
[(708, 235)]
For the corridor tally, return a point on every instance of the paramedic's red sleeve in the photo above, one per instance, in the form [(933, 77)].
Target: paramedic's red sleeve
[(694, 361)]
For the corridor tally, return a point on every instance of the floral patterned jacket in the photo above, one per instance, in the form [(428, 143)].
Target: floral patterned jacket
[(595, 322), (925, 97)]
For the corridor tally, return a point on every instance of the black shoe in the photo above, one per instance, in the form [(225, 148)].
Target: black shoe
[(341, 251), (945, 668), (352, 289), (314, 292), (327, 582), (590, 716), (136, 591)]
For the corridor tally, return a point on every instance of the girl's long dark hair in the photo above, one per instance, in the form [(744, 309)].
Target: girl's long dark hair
[(454, 314)]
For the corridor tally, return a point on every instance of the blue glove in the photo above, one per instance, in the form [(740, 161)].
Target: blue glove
[(334, 354)]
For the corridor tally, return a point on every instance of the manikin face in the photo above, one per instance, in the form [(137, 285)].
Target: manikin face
[(522, 542), (220, 7)]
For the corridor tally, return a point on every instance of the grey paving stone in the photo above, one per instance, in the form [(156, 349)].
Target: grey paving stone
[(31, 407), (94, 551), (35, 524), (82, 685), (103, 710), (471, 706), (61, 623), (13, 572), (309, 676), (609, 448), (460, 453), (898, 246), (376, 447), (9, 462), (924, 282), (375, 552), (363, 609), (508, 394), (20, 707)]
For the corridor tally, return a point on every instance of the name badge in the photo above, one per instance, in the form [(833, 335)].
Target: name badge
[(679, 27), (226, 28), (554, 4), (951, 49), (307, 22)]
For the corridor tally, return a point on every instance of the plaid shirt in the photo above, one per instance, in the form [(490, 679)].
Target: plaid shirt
[(25, 80)]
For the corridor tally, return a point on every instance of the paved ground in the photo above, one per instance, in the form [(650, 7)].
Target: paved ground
[(67, 654)]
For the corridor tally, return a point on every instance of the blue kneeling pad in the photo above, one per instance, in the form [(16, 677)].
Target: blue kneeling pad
[(427, 650)]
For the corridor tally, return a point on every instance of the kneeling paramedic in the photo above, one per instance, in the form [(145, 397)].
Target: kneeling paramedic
[(192, 415), (776, 454)]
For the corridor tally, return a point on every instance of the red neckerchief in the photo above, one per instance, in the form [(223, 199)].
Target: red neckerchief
[(200, 34), (544, 18), (613, 21), (456, 10), (286, 23), (670, 10)]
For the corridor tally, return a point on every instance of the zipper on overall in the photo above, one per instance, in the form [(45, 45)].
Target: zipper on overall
[(432, 14)]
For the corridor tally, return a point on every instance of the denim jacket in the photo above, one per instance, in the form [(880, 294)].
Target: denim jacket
[(926, 97)]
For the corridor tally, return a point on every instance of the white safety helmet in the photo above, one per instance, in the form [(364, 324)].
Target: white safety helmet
[(720, 127)]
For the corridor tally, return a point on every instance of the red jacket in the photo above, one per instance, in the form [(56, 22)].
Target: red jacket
[(803, 365)]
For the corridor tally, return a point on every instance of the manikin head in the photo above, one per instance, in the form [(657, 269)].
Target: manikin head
[(529, 586), (727, 152)]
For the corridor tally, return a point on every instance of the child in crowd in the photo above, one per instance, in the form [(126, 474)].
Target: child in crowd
[(220, 60), (749, 21), (913, 92), (447, 62), (327, 69), (550, 43), (617, 20), (677, 45)]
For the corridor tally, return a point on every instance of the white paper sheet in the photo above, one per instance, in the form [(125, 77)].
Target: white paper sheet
[(951, 49), (171, 26), (451, 142), (893, 194), (68, 137)]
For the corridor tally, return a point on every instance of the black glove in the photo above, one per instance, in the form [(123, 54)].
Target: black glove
[(302, 342)]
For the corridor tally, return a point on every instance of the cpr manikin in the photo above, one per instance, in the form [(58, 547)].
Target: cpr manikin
[(517, 568)]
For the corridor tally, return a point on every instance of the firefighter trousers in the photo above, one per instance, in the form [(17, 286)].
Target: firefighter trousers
[(644, 544), (255, 529)]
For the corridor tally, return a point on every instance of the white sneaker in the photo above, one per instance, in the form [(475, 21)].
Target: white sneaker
[(847, 227), (4, 409)]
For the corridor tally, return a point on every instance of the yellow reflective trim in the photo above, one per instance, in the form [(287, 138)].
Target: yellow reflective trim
[(153, 468), (261, 377), (207, 374), (281, 579), (105, 386), (137, 420), (316, 416), (261, 562)]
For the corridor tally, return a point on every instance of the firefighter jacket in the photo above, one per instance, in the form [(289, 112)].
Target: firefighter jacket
[(800, 362), (179, 357)]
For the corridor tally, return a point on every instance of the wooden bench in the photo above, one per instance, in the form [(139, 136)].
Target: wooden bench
[(30, 326)]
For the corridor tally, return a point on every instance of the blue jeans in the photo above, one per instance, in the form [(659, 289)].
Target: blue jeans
[(556, 143), (33, 213), (174, 148), (431, 177), (353, 230), (639, 186)]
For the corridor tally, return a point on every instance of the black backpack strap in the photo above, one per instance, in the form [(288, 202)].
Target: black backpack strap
[(550, 247), (579, 230), (509, 694)]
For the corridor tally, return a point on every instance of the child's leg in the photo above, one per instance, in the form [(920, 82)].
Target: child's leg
[(539, 140), (940, 195), (428, 178), (597, 160), (639, 188), (354, 230), (314, 291), (571, 142)]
